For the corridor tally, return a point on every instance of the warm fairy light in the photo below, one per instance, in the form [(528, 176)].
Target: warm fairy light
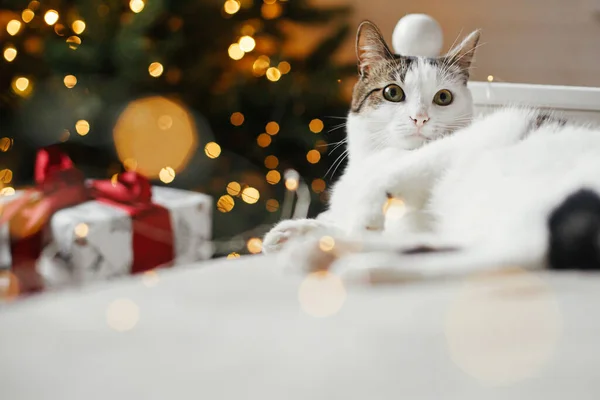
[(273, 177), (136, 6), (273, 74), (313, 156), (21, 86), (271, 162), (326, 243), (321, 294), (150, 278), (166, 175), (165, 122), (231, 6), (284, 67), (6, 176), (316, 126), (271, 11), (34, 5), (73, 42), (27, 15), (272, 205), (394, 208), (70, 81), (233, 255), (225, 203), (490, 78), (248, 30), (7, 191), (10, 53), (212, 150), (235, 52), (78, 26), (233, 188), (5, 144), (250, 195), (261, 65), (82, 127), (156, 69), (318, 185), (122, 315), (291, 184), (237, 119), (51, 17), (60, 29), (247, 43), (272, 128), (254, 245), (13, 27), (81, 230), (263, 140)]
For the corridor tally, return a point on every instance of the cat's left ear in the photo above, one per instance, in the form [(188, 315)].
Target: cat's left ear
[(463, 54), (370, 47)]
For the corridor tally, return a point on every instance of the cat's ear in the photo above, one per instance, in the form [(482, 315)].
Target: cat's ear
[(370, 47), (463, 54)]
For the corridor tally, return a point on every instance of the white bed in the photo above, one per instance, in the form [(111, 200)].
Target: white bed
[(240, 329)]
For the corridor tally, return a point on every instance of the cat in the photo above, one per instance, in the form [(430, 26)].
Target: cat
[(399, 102)]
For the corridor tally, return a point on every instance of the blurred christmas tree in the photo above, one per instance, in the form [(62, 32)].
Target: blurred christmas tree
[(198, 94)]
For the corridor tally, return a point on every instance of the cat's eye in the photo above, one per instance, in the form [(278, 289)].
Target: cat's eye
[(393, 93), (443, 97)]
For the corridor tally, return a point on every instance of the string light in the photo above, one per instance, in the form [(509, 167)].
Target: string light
[(234, 188), (250, 195), (27, 15), (225, 203), (263, 140), (271, 162), (231, 6), (237, 119), (212, 150), (316, 126), (247, 43), (254, 245), (22, 86), (82, 127), (318, 185), (235, 52), (166, 175), (313, 156), (13, 27), (73, 42), (272, 205), (136, 6), (273, 74), (78, 26), (272, 128), (156, 69), (233, 255), (284, 67), (10, 53), (273, 177), (51, 17), (70, 81)]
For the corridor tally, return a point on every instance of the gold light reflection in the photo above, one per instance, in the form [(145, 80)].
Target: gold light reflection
[(231, 6), (250, 195), (22, 86), (51, 17), (326, 243), (271, 11), (82, 127), (6, 176), (284, 67), (60, 29), (78, 26), (10, 53), (321, 294), (225, 203), (316, 126), (150, 278), (34, 5), (70, 81), (130, 164), (318, 185), (5, 144), (263, 140), (233, 255), (490, 78), (273, 177), (248, 30), (271, 162), (212, 150), (166, 175), (27, 15), (155, 69), (81, 230), (235, 52), (139, 132), (254, 245), (313, 156), (122, 315), (502, 330), (234, 188), (247, 43), (273, 74), (291, 184), (272, 205), (237, 119), (260, 66), (136, 6), (73, 42), (13, 27), (394, 208), (272, 128)]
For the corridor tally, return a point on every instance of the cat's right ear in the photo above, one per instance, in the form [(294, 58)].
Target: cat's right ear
[(370, 47)]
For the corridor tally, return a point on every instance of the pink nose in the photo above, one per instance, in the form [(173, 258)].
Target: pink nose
[(420, 119)]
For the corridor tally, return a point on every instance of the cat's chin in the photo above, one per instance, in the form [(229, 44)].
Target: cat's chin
[(412, 142)]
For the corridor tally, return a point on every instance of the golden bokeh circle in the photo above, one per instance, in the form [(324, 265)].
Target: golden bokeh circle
[(273, 177), (271, 162), (234, 188), (313, 156), (272, 205), (250, 195), (122, 315), (321, 294), (254, 245), (318, 185), (225, 203)]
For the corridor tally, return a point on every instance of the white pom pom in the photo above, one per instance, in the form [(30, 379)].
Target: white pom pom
[(417, 35)]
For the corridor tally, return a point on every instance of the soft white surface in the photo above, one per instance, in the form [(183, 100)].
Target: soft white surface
[(235, 330)]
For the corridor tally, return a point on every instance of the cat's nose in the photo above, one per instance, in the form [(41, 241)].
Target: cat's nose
[(420, 119)]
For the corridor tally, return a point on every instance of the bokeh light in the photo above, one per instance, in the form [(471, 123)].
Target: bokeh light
[(250, 195), (60, 29), (10, 53), (225, 203), (316, 125), (284, 67), (22, 86), (6, 176), (7, 191), (235, 52), (313, 156), (81, 230), (273, 74), (51, 17), (231, 6), (260, 66), (122, 315), (233, 255), (237, 119), (326, 243), (150, 278), (271, 11), (263, 140), (139, 133), (166, 175), (136, 6), (155, 69), (27, 15), (272, 205), (318, 185), (234, 188), (273, 177), (73, 42), (13, 27), (394, 209), (254, 245), (247, 43), (321, 294), (70, 81), (272, 128), (78, 26), (82, 127), (5, 144), (291, 184), (271, 162), (212, 150)]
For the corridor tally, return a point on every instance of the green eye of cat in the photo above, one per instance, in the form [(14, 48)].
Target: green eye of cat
[(443, 98), (393, 93)]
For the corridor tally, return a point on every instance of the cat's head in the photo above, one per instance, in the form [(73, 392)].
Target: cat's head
[(403, 101)]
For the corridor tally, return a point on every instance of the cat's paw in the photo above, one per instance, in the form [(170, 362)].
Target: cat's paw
[(288, 230), (306, 255)]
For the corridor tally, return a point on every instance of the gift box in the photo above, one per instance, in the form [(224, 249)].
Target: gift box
[(69, 230)]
